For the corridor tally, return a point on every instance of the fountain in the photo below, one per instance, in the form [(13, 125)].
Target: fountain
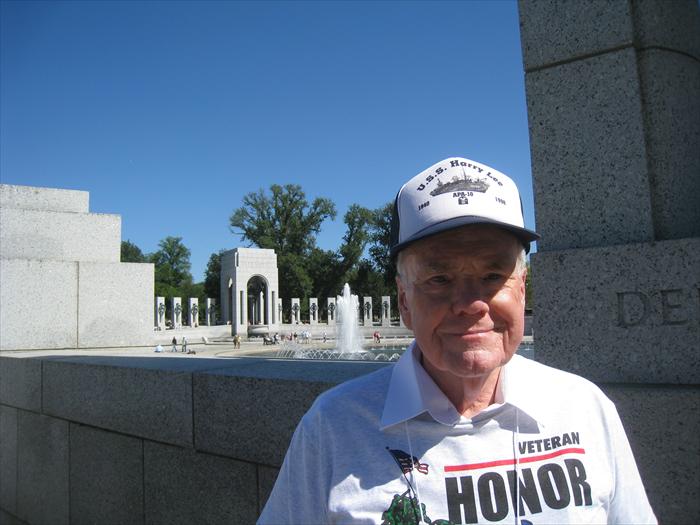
[(349, 339)]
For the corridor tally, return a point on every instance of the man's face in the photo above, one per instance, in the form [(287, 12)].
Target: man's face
[(460, 293)]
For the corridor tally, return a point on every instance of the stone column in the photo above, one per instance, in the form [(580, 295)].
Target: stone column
[(160, 313), (193, 312), (176, 312), (386, 310), (296, 310), (210, 311), (332, 314), (313, 310), (614, 117)]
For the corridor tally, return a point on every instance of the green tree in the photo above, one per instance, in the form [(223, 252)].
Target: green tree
[(357, 220), (283, 220), (131, 253), (172, 268), (212, 277), (380, 243)]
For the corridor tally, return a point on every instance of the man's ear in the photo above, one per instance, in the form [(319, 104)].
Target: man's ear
[(403, 304), (523, 280)]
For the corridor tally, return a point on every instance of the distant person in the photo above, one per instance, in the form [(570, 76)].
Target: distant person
[(184, 344), (174, 349), (159, 349), (460, 429)]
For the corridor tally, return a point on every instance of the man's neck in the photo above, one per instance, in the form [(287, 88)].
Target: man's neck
[(468, 395)]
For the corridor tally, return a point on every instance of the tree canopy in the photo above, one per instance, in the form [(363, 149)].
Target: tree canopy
[(283, 220), (172, 266), (131, 253)]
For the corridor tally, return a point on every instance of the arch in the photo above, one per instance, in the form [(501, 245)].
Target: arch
[(249, 278), (257, 289)]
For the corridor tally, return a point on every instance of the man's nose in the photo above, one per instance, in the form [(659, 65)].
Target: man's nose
[(469, 298)]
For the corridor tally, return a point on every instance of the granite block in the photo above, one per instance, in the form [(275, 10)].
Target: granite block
[(671, 88), (142, 402), (38, 294), (621, 313), (115, 304), (183, 486), (20, 383), (44, 199), (662, 426), (266, 481), (106, 477), (561, 30), (669, 24), (262, 398), (10, 519), (588, 153), (8, 458), (59, 236), (42, 469)]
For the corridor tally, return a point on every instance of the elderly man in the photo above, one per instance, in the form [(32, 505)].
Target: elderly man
[(460, 429)]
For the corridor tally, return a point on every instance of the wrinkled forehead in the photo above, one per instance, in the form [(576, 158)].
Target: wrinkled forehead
[(487, 245)]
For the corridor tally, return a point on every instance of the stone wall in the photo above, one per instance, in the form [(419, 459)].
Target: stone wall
[(147, 440), (62, 284)]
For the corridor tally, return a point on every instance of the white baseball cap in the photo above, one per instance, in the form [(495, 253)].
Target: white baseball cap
[(453, 193)]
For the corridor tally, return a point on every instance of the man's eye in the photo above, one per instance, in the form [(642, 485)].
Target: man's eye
[(438, 279), (493, 277)]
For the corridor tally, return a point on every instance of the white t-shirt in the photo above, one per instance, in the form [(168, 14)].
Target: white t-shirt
[(390, 448)]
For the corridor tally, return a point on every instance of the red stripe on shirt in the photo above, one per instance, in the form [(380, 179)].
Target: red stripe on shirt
[(501, 462)]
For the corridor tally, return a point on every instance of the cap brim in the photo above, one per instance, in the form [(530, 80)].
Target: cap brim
[(523, 234)]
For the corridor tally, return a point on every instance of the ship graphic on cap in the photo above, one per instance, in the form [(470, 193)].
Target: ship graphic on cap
[(463, 183)]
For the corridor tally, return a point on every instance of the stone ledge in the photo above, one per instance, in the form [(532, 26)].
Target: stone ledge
[(230, 403), (20, 383), (145, 402)]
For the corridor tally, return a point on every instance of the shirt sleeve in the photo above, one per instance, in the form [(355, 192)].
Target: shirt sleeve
[(629, 502), (300, 494)]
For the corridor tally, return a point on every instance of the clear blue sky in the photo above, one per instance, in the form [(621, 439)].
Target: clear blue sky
[(169, 112)]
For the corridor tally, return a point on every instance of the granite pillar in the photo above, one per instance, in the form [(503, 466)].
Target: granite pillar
[(296, 310), (386, 310), (176, 312), (160, 313), (367, 311), (614, 118), (331, 319)]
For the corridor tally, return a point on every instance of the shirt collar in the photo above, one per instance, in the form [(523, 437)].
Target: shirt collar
[(413, 392)]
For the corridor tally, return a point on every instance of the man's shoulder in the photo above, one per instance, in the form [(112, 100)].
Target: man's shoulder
[(554, 381), (366, 392), (363, 386)]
